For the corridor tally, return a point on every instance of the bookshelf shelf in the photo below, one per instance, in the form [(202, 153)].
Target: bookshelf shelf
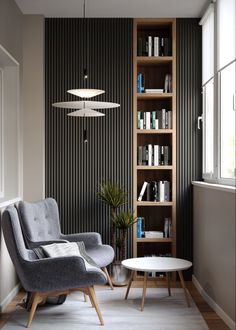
[(154, 96), (155, 240), (148, 168), (152, 131), (154, 60), (146, 203), (154, 146)]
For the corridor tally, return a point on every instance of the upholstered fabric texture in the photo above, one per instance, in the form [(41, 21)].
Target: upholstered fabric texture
[(41, 225), (44, 274)]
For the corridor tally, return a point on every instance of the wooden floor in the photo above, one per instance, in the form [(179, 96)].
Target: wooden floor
[(212, 319)]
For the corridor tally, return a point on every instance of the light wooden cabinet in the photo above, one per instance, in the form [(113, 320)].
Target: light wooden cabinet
[(154, 70)]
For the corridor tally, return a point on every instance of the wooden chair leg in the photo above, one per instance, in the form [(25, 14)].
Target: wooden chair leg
[(85, 298), (31, 299), (108, 277), (95, 303), (35, 301)]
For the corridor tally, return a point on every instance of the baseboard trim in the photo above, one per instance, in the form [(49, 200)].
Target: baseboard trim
[(230, 323), (9, 297)]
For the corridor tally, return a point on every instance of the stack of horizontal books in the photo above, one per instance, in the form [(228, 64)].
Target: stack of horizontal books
[(153, 234)]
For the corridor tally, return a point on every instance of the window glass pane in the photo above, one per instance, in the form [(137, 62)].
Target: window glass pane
[(227, 104), (225, 32), (208, 122), (208, 45)]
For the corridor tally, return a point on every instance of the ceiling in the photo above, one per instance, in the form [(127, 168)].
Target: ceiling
[(114, 8)]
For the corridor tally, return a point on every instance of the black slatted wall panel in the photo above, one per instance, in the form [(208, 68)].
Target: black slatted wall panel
[(189, 106), (74, 169)]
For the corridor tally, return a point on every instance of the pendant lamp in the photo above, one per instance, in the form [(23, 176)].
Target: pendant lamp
[(85, 108)]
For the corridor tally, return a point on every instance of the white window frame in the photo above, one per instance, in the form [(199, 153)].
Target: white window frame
[(216, 176)]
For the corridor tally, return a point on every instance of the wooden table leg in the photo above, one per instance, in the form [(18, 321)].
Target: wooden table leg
[(183, 286), (129, 284), (168, 283), (144, 289)]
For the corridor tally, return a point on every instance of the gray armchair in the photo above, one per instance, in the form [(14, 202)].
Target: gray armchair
[(50, 276), (41, 225)]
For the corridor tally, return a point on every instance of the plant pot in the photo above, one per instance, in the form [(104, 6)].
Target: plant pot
[(119, 274)]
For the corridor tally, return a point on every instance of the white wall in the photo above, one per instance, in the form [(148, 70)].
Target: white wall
[(11, 21), (214, 248), (33, 107), (23, 37)]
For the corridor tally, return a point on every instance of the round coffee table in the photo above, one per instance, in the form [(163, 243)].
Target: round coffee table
[(159, 265)]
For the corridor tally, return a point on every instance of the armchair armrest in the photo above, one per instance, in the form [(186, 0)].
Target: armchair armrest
[(90, 239), (58, 274)]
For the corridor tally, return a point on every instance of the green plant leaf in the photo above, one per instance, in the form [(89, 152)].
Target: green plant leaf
[(112, 194), (124, 220)]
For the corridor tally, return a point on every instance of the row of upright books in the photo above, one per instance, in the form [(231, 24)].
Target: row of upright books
[(154, 46), (155, 191), (142, 233), (154, 155), (160, 119), (167, 85)]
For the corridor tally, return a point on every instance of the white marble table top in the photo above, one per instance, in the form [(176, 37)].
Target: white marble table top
[(156, 264)]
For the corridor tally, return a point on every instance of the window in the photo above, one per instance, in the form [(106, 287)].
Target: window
[(218, 84), (227, 122)]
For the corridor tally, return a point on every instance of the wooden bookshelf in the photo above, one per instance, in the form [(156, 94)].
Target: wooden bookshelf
[(154, 68)]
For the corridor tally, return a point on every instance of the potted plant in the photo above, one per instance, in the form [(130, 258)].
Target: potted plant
[(114, 195)]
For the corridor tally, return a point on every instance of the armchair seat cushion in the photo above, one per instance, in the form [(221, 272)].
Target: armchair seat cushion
[(103, 255)]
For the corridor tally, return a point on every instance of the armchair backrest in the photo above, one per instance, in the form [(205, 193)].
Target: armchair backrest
[(39, 220), (15, 242)]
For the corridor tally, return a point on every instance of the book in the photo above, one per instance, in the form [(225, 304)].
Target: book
[(138, 119), (167, 155), (149, 155), (156, 46), (140, 155), (154, 187), (156, 155), (161, 46), (140, 227), (148, 120), (142, 191), (141, 124), (154, 90), (153, 120), (153, 234), (166, 191), (161, 190), (149, 46), (157, 124), (140, 83), (163, 118), (148, 193)]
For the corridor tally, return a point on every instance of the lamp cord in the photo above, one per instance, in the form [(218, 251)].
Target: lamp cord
[(85, 46)]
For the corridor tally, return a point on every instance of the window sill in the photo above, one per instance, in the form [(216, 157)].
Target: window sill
[(214, 186)]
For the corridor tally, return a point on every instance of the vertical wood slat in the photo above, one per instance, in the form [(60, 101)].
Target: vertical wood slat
[(188, 106), (74, 169)]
